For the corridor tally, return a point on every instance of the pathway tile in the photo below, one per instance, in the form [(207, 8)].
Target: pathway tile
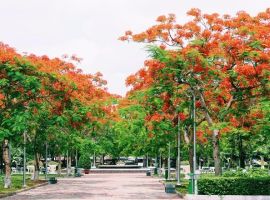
[(101, 187)]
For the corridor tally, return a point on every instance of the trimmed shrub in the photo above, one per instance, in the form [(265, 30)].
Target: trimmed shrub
[(85, 162), (234, 186), (185, 162), (251, 173)]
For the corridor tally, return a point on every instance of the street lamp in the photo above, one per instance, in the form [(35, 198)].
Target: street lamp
[(24, 158), (178, 152), (195, 189), (94, 160), (46, 160), (76, 159), (169, 162), (147, 164), (160, 163)]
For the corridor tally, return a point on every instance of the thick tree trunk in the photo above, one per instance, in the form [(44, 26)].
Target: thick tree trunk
[(35, 175), (216, 153), (188, 137), (214, 136), (6, 159)]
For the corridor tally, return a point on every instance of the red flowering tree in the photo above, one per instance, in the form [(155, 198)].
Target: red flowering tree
[(222, 60)]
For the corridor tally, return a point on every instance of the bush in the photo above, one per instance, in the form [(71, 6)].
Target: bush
[(234, 186), (249, 173), (85, 162), (53, 163), (185, 162)]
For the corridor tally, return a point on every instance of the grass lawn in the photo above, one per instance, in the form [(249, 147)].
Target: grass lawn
[(17, 181), (183, 188)]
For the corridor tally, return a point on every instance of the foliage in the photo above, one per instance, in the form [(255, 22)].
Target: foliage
[(251, 173), (223, 61), (85, 162), (234, 186)]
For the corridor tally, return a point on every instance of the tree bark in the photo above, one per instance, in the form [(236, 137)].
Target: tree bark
[(59, 165), (6, 159), (102, 159), (188, 137), (214, 136), (190, 158), (35, 176), (241, 153), (262, 162), (69, 164), (216, 153)]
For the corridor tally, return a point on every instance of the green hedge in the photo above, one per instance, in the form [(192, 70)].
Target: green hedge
[(234, 186)]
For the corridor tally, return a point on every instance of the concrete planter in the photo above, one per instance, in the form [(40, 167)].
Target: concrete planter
[(170, 188), (52, 180)]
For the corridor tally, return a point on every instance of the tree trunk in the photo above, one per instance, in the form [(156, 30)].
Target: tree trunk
[(262, 162), (216, 153), (102, 159), (241, 153), (35, 175), (6, 159), (190, 158), (59, 165), (214, 136), (188, 137), (69, 164)]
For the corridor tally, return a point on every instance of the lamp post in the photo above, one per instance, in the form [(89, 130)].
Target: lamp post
[(160, 163), (195, 190), (94, 160), (178, 152), (147, 164), (76, 159), (169, 162), (24, 158), (46, 161)]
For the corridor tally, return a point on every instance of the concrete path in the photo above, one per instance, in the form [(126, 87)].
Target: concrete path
[(100, 186)]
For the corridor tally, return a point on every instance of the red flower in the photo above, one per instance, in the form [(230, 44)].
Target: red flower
[(182, 116)]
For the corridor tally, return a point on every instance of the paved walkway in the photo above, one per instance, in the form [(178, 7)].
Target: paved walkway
[(100, 186)]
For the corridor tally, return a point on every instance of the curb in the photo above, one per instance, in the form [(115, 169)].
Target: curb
[(22, 190)]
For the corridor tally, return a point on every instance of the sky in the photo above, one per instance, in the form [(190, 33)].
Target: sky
[(91, 28)]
